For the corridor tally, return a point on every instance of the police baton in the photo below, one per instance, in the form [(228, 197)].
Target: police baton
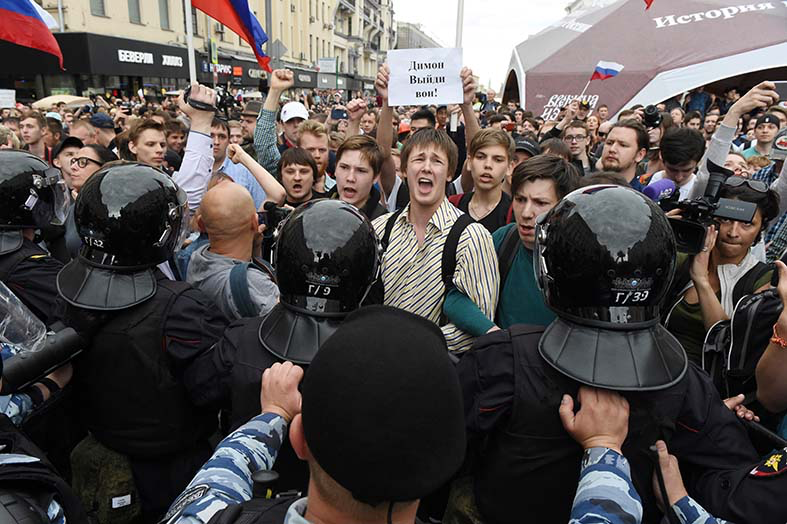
[(26, 368)]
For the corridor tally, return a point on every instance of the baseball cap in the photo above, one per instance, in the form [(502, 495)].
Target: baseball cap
[(404, 127), (252, 108), (528, 146), (53, 114), (768, 118), (69, 141), (584, 104), (779, 149), (102, 121), (294, 110)]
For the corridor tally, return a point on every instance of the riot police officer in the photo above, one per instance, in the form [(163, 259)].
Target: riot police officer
[(326, 259), (373, 444), (32, 197), (31, 490), (148, 384), (605, 257)]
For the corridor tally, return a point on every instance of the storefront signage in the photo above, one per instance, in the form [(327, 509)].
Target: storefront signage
[(304, 78), (134, 57), (172, 61), (256, 73), (237, 71)]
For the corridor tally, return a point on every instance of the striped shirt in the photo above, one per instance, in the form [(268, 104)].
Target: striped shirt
[(412, 276)]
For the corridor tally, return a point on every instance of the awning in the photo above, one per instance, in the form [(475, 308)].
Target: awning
[(673, 47)]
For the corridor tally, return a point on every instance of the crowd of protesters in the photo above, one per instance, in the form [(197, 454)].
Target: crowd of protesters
[(462, 185)]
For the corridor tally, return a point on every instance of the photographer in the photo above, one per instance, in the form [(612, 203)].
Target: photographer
[(706, 296)]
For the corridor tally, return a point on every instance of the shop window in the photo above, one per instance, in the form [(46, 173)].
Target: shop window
[(97, 8), (133, 12), (163, 13)]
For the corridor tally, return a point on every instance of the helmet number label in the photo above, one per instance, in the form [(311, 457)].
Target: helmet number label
[(630, 297), (319, 290)]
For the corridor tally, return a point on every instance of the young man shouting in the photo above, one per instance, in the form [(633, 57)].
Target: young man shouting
[(358, 165), (411, 268)]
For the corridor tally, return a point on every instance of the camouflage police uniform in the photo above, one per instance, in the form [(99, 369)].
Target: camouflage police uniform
[(17, 407), (225, 479)]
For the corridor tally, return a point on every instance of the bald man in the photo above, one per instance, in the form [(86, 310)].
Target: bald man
[(228, 216)]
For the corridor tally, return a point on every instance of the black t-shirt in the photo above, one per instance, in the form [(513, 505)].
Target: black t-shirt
[(496, 219)]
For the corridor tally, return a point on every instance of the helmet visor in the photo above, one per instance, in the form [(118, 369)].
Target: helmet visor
[(60, 197)]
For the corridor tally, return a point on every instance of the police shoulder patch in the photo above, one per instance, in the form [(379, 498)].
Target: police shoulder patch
[(187, 497), (774, 465)]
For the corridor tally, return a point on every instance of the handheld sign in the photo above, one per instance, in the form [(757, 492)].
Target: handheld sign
[(425, 76)]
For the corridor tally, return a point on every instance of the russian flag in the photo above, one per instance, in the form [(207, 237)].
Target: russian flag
[(606, 70), (236, 15), (22, 24)]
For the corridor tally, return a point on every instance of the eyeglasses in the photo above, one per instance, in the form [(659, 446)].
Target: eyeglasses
[(574, 138), (83, 161), (737, 181)]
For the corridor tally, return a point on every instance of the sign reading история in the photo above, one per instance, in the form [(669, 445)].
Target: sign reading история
[(425, 76)]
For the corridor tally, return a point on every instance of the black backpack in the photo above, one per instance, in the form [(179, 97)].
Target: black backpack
[(505, 259), (447, 264), (733, 347)]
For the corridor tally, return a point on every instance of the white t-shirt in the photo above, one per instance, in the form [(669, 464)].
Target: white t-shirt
[(685, 189)]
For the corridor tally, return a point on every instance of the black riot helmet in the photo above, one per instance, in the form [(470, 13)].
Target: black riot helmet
[(32, 196), (327, 257), (604, 259), (130, 217)]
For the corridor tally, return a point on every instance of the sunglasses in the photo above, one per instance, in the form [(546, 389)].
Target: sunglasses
[(602, 135), (738, 181), (83, 161)]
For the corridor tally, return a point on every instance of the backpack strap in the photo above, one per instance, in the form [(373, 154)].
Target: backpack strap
[(448, 262), (745, 284), (506, 254), (389, 225), (239, 287)]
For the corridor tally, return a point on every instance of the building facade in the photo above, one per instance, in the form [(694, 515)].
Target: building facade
[(411, 36), (123, 46)]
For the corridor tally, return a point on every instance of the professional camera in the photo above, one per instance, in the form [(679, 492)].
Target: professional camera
[(700, 213), (652, 117), (225, 103), (273, 215)]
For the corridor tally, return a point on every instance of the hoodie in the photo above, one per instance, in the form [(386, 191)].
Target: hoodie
[(210, 273)]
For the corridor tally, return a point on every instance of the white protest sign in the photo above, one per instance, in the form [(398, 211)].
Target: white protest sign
[(7, 97), (425, 76)]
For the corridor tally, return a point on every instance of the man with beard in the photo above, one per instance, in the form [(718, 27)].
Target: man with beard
[(626, 145)]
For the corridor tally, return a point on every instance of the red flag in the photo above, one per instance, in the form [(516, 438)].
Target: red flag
[(236, 15), (21, 24), (647, 4)]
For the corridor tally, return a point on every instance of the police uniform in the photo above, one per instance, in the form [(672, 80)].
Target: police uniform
[(30, 487), (606, 275), (327, 258), (30, 273), (32, 197), (393, 460), (531, 465), (149, 384)]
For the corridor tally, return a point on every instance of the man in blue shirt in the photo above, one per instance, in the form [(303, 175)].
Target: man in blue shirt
[(220, 133)]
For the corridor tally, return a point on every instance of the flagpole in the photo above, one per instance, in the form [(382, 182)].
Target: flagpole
[(586, 88), (460, 19), (190, 42)]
